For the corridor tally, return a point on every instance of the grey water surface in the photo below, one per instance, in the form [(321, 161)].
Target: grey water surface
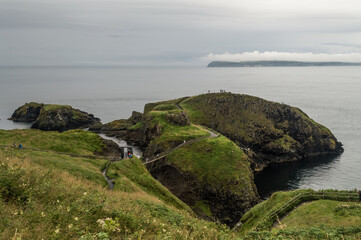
[(329, 95)]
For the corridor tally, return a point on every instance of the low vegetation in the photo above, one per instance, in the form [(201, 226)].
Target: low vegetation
[(215, 160), (311, 217), (55, 196), (73, 141), (320, 213), (139, 180), (275, 132)]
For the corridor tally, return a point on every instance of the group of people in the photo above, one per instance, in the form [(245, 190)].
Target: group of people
[(220, 90), (18, 146), (129, 153)]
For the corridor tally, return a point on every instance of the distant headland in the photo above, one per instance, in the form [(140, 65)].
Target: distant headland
[(274, 63)]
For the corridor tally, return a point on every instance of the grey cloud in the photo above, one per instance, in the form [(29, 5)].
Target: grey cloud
[(66, 32)]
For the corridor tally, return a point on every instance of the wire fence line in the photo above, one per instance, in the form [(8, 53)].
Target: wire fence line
[(283, 210), (270, 218)]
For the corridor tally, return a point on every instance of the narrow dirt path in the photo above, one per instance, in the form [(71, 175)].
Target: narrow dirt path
[(109, 181), (165, 154)]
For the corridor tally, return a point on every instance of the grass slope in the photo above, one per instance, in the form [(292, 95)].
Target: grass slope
[(324, 212), (55, 196), (139, 180), (72, 141), (320, 219), (215, 160)]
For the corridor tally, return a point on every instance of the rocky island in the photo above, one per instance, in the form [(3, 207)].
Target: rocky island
[(51, 117)]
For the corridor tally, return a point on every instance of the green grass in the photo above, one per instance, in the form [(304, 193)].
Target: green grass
[(165, 107), (215, 160), (313, 233), (203, 207), (271, 128), (170, 103), (54, 196), (138, 125), (324, 212), (54, 107), (133, 170), (72, 141), (256, 215), (174, 133), (121, 124)]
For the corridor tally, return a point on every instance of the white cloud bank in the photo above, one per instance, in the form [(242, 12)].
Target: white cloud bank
[(285, 56)]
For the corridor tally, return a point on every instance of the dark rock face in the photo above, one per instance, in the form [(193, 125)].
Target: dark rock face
[(225, 205), (62, 118), (130, 130), (274, 132), (49, 117), (27, 113), (110, 149), (136, 117)]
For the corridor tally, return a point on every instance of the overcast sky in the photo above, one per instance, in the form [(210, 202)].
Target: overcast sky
[(175, 32)]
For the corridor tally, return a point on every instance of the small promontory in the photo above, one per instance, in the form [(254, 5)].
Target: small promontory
[(271, 132), (51, 117)]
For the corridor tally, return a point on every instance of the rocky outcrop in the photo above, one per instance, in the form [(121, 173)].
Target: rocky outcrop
[(62, 118), (27, 113), (136, 130), (272, 132), (49, 117), (110, 149), (180, 119)]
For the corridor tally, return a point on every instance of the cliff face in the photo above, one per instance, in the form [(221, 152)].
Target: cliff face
[(62, 118), (27, 113), (50, 117), (206, 171), (272, 132), (131, 130)]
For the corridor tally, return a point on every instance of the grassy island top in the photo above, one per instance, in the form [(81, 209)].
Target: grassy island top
[(216, 160)]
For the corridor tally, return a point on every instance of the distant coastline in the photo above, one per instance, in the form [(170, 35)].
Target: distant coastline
[(280, 64)]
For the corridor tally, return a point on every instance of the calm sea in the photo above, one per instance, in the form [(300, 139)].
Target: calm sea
[(329, 95)]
